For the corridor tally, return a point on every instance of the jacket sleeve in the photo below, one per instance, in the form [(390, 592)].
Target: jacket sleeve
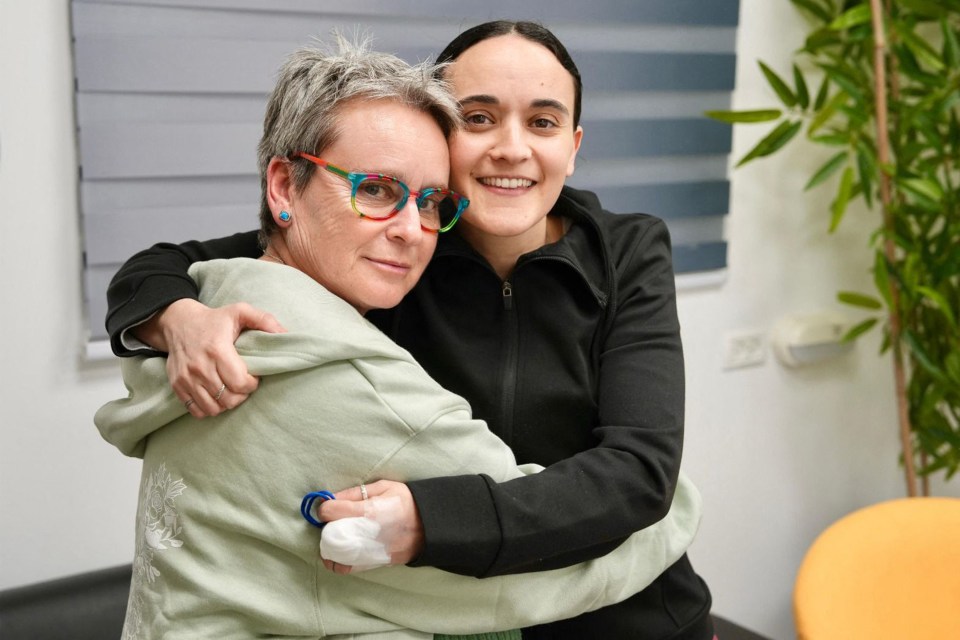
[(428, 599), (155, 277), (583, 506)]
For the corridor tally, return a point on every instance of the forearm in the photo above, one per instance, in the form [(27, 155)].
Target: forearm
[(573, 511), (443, 602), (156, 277)]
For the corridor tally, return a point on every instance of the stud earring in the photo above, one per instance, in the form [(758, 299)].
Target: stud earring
[(284, 216)]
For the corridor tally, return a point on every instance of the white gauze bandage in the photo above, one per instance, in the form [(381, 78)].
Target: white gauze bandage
[(363, 543)]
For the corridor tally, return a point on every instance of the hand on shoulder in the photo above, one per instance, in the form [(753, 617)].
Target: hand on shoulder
[(204, 368)]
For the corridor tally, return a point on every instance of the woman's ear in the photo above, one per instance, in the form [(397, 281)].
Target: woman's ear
[(280, 189), (577, 138)]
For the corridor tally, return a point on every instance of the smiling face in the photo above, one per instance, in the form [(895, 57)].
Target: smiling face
[(371, 264), (519, 143)]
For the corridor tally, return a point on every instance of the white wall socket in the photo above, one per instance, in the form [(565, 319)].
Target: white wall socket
[(744, 349)]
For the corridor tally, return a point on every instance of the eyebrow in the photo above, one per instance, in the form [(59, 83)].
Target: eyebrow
[(482, 98), (540, 103), (547, 103)]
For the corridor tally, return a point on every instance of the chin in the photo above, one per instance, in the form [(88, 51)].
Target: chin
[(387, 301), (503, 226)]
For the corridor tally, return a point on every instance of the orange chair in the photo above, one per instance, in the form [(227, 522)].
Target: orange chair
[(891, 570)]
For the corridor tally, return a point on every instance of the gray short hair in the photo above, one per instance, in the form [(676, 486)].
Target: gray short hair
[(315, 82)]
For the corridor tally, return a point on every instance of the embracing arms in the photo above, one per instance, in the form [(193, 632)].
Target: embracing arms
[(585, 505), (153, 308), (408, 428), (153, 278)]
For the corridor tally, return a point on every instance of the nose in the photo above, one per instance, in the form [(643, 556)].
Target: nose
[(511, 143), (405, 226)]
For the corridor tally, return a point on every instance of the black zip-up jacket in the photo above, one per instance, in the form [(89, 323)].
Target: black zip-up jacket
[(575, 361)]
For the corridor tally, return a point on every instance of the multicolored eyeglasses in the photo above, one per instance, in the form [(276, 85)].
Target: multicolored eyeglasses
[(381, 197)]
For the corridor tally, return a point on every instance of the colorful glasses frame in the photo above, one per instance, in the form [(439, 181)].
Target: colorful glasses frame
[(355, 179)]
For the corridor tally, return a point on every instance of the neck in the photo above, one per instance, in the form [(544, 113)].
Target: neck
[(274, 252), (270, 256), (502, 252)]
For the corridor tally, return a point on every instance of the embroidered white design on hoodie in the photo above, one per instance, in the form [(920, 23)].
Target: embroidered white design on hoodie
[(158, 530)]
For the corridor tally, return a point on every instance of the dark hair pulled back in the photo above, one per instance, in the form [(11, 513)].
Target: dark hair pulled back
[(529, 30)]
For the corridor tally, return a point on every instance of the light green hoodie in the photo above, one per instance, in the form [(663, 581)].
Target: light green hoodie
[(222, 551)]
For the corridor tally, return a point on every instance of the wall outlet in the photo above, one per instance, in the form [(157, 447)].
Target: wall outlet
[(744, 349)]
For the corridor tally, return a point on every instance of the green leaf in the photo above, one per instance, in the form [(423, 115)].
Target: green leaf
[(774, 140), (946, 106), (910, 67), (803, 95), (865, 168), (954, 127), (847, 83), (920, 355), (924, 187), (861, 34), (940, 303), (822, 93), (813, 8), (859, 300), (856, 115), (952, 364), (839, 205), (827, 111), (860, 14), (734, 117), (951, 47), (786, 95), (918, 47), (858, 330), (821, 39), (925, 8), (832, 139), (881, 277), (937, 463), (827, 170)]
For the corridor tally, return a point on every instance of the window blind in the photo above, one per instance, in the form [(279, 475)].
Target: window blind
[(170, 97)]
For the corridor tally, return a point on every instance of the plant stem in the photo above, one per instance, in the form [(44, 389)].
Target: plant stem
[(883, 149)]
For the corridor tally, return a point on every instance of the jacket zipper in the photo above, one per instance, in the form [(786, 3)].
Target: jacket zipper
[(510, 363)]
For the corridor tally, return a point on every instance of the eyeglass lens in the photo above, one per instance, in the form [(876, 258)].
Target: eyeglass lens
[(378, 197)]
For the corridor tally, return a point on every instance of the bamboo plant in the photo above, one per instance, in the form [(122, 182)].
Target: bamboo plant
[(886, 75)]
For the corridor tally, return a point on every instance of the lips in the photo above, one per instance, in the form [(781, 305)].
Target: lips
[(391, 265), (507, 183)]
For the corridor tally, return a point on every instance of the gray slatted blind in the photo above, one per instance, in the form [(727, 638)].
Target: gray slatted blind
[(170, 96)]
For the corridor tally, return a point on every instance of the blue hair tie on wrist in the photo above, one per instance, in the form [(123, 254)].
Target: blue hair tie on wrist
[(306, 506)]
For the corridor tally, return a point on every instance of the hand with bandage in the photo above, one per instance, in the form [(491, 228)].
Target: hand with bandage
[(370, 526)]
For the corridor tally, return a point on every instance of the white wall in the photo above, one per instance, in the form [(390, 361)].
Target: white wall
[(66, 499), (778, 454)]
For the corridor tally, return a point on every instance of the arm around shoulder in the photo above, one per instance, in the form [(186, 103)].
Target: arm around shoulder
[(152, 279)]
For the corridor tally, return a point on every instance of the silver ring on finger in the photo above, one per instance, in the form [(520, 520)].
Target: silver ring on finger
[(363, 491), (220, 392), (189, 402)]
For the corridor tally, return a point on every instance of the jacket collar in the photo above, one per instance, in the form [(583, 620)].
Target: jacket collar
[(584, 247)]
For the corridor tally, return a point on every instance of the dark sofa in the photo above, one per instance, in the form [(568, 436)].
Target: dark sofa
[(91, 606)]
